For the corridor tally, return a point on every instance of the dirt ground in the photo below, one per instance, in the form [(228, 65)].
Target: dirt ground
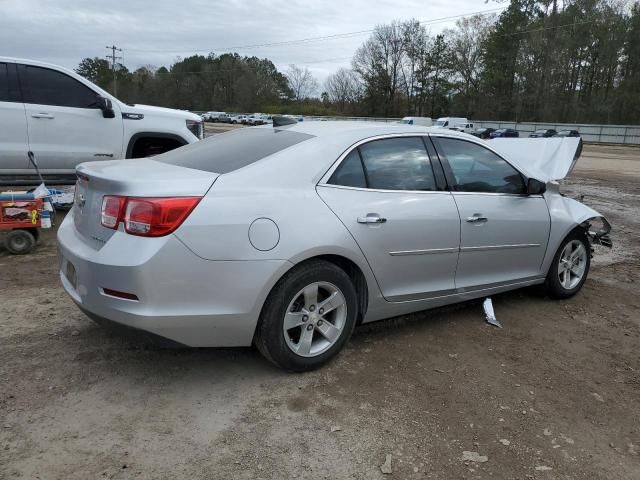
[(554, 394)]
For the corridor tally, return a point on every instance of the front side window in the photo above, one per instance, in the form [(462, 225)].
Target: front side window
[(49, 87), (4, 83), (476, 169)]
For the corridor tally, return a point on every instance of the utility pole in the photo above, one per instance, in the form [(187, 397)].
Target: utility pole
[(113, 59)]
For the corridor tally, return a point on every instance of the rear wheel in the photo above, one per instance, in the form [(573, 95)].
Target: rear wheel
[(570, 266), (308, 317), (19, 242)]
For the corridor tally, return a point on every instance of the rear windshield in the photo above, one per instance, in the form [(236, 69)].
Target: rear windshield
[(230, 151)]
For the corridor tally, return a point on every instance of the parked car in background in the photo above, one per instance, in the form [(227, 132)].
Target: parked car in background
[(235, 241), (238, 118), (211, 116), (298, 118), (464, 127), (504, 133), (224, 118), (449, 122), (422, 121), (484, 132), (64, 119), (543, 133), (567, 133)]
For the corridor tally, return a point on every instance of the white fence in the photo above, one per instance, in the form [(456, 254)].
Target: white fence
[(613, 134)]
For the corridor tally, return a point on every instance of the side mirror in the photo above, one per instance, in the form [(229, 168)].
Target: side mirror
[(105, 105), (536, 187)]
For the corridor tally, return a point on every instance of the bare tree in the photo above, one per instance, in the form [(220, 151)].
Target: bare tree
[(301, 81), (378, 62), (343, 88), (466, 42)]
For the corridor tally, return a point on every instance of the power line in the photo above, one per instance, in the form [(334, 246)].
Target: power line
[(313, 39), (113, 58)]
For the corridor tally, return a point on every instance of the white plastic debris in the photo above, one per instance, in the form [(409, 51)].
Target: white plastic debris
[(386, 466), (489, 314), (41, 191), (473, 457)]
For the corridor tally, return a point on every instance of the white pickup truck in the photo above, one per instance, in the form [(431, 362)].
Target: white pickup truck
[(64, 119)]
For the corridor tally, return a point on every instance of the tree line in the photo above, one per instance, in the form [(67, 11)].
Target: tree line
[(547, 61)]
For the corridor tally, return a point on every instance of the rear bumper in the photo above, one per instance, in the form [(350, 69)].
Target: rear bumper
[(182, 297)]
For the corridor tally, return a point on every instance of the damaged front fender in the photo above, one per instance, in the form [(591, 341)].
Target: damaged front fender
[(598, 229)]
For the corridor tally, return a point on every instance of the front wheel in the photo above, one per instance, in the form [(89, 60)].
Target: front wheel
[(570, 266), (308, 317)]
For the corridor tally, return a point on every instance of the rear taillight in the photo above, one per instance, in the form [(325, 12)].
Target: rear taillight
[(111, 211), (147, 217)]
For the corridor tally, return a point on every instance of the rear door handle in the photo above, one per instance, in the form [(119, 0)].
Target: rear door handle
[(371, 218), (476, 218), (43, 115)]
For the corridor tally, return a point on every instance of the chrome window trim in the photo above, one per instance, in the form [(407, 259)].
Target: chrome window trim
[(378, 190)]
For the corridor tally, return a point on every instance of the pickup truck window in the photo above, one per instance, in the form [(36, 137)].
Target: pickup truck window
[(44, 86), (4, 83)]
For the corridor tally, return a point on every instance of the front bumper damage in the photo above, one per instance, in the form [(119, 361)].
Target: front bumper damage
[(598, 229)]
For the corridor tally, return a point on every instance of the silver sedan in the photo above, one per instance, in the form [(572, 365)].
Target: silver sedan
[(288, 236)]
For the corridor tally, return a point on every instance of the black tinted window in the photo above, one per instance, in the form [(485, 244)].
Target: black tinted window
[(397, 164), (350, 172), (4, 83), (477, 169), (232, 150), (49, 87)]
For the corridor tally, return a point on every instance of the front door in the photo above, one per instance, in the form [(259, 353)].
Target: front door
[(504, 231), (385, 193), (65, 126)]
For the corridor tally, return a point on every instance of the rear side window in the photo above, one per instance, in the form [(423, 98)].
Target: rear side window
[(389, 164), (350, 172), (49, 87), (230, 151), (397, 164), (477, 169)]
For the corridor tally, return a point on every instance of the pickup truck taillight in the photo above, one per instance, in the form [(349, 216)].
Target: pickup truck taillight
[(146, 217)]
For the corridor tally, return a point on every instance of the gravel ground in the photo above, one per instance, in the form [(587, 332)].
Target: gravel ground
[(438, 394)]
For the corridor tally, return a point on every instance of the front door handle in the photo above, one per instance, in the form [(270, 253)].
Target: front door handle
[(372, 218), (43, 115), (477, 218)]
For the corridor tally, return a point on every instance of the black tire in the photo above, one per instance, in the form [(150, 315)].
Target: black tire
[(553, 285), (270, 338), (19, 242)]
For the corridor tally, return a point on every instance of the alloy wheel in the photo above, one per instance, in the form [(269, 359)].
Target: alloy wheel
[(315, 319), (572, 264)]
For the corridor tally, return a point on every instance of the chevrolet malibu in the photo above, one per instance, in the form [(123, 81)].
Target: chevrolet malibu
[(288, 236)]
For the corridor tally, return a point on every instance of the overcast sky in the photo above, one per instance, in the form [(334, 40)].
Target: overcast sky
[(156, 32)]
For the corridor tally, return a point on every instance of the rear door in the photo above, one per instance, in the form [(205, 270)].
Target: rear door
[(504, 231), (385, 192), (13, 123), (66, 127)]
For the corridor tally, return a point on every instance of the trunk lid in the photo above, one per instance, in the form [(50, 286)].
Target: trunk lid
[(133, 178)]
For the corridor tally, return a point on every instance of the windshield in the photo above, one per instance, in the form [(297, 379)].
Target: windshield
[(541, 131), (407, 121), (441, 123), (230, 151)]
